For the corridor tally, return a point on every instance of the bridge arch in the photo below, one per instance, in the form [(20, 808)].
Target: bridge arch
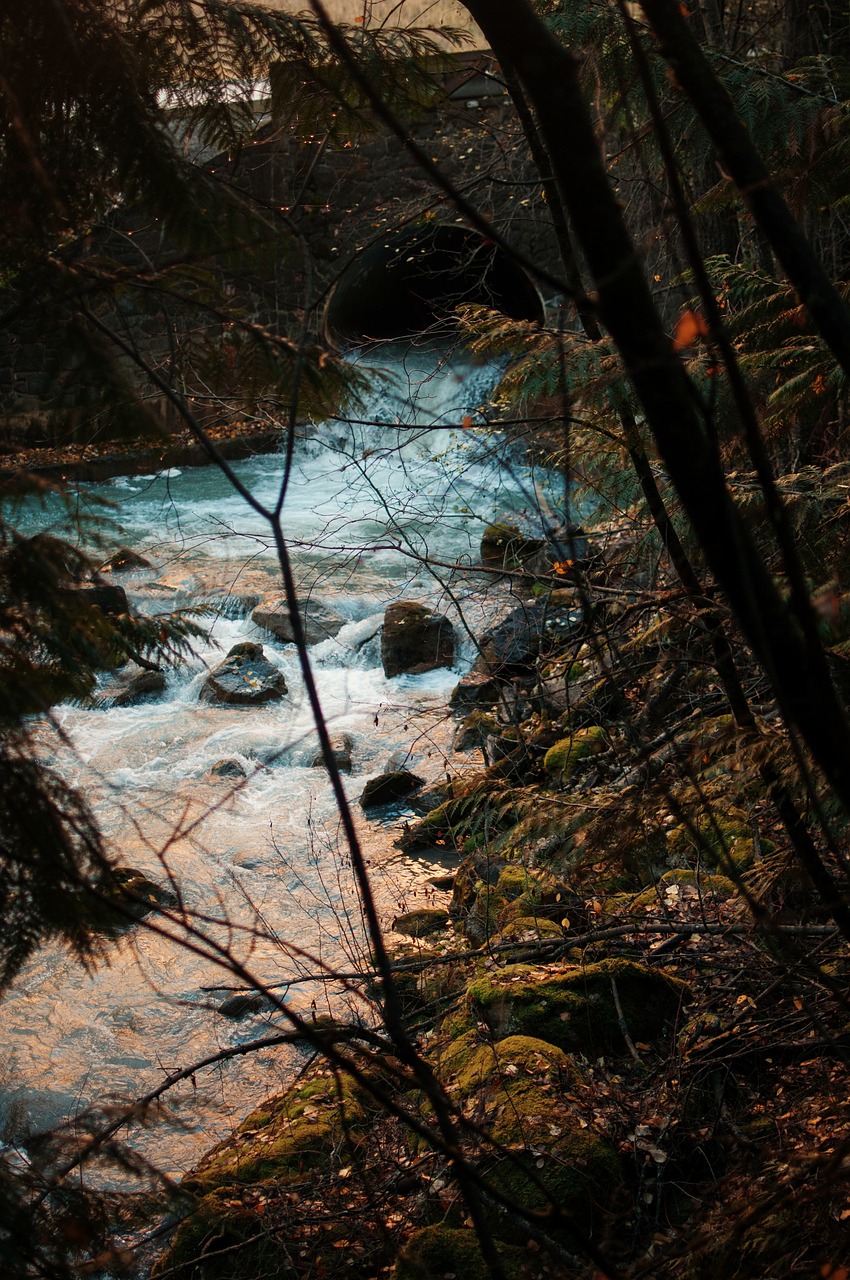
[(409, 282)]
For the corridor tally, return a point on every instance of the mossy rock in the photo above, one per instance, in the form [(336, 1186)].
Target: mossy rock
[(562, 760), (283, 1140), (574, 1007), (520, 1088), (433, 1253), (504, 546), (484, 916), (724, 843), (422, 922), (529, 929), (707, 886), (222, 1240)]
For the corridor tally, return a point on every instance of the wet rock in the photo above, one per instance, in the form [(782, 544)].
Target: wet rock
[(476, 689), (320, 621), (243, 1003), (421, 922), (227, 769), (505, 546), (110, 599), (245, 678), (341, 746), (443, 882), (125, 558), (414, 639), (524, 635), (388, 787), (128, 896), (131, 685)]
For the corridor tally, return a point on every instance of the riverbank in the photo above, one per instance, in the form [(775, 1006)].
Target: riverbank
[(633, 1008), (103, 461)]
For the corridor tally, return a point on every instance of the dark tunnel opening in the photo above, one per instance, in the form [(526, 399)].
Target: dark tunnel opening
[(404, 285)]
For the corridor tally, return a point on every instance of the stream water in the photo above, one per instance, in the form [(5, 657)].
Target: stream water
[(259, 863)]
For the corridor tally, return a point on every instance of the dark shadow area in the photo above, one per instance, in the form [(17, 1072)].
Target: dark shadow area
[(405, 284)]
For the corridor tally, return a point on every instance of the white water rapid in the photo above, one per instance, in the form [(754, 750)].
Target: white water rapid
[(259, 863)]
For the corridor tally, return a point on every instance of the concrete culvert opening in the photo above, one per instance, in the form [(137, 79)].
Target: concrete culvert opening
[(404, 284)]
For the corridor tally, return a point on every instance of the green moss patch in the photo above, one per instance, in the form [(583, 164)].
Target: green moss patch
[(562, 760), (575, 1007), (436, 1252), (223, 1239), (284, 1139), (422, 922)]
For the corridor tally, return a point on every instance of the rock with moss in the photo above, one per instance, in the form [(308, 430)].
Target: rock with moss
[(422, 922), (505, 546), (562, 760), (529, 929), (433, 1253), (575, 1007), (285, 1139), (223, 1238), (523, 1090), (671, 883)]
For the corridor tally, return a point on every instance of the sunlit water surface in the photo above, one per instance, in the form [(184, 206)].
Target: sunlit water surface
[(260, 866)]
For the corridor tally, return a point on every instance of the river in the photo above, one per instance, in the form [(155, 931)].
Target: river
[(370, 503)]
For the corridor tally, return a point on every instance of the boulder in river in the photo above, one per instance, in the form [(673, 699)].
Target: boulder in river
[(245, 678), (228, 768), (505, 546), (106, 596), (414, 639), (320, 621), (341, 747), (125, 558), (388, 787), (131, 685)]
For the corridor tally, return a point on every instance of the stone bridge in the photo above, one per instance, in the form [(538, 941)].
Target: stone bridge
[(369, 248)]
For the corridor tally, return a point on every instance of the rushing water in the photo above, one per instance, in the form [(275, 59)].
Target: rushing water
[(368, 505)]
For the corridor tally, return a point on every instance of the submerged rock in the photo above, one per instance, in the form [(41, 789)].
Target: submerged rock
[(320, 621), (128, 896), (228, 769), (243, 1003), (341, 747), (131, 685), (388, 787), (124, 558), (414, 639), (245, 678)]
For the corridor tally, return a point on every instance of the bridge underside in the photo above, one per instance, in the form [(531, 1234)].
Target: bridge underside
[(411, 283)]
